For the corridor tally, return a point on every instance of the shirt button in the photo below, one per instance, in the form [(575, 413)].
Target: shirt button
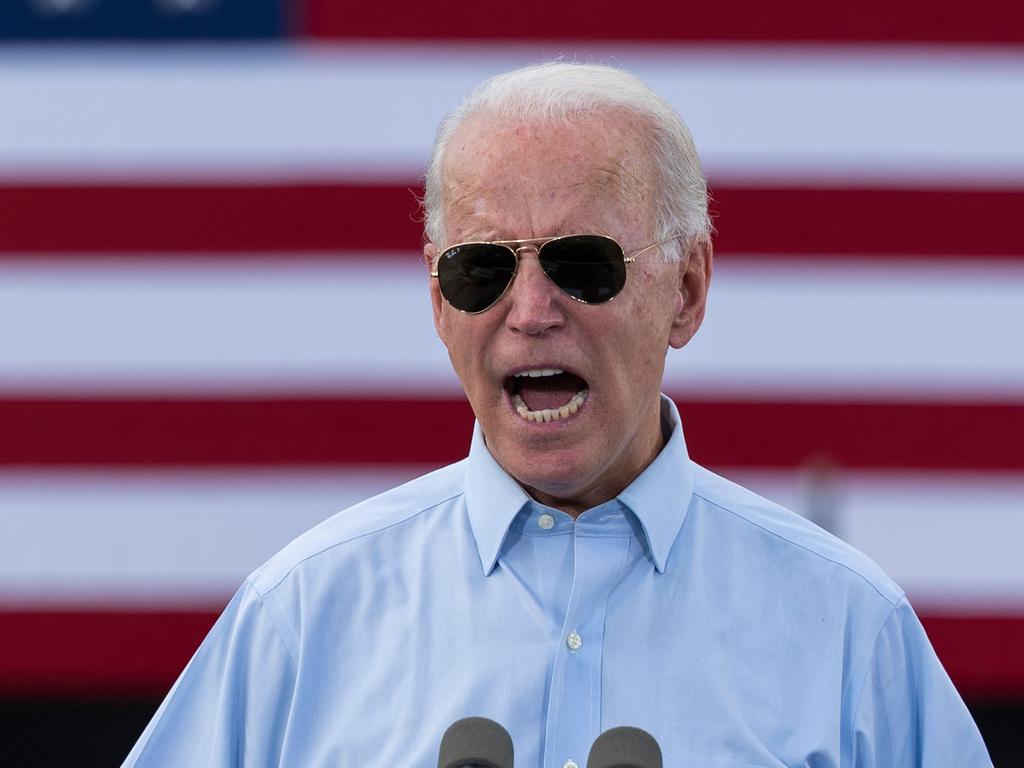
[(545, 522), (570, 763), (574, 641)]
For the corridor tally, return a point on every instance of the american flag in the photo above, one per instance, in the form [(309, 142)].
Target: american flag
[(215, 331)]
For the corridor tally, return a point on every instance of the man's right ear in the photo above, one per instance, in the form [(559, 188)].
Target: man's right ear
[(429, 256)]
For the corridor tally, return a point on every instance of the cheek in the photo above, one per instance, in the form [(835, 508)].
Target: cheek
[(451, 328), (454, 342), (465, 348), (646, 342)]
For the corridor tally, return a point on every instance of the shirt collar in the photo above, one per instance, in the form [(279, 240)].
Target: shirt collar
[(658, 497), (493, 500)]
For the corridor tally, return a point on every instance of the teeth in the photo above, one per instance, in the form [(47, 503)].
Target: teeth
[(550, 414), (537, 372)]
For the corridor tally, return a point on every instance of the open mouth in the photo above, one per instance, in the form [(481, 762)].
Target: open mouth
[(546, 394)]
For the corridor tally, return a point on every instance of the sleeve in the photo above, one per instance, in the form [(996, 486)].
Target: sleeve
[(908, 713), (230, 705)]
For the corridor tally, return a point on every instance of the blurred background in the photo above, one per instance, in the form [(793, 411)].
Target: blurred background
[(215, 332)]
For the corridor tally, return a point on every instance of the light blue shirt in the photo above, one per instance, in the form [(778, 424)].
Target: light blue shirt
[(734, 631)]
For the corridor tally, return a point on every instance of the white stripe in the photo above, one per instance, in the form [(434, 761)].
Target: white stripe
[(873, 113), (950, 540), (159, 537), (181, 537), (773, 328)]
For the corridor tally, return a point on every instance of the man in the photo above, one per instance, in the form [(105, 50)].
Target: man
[(577, 571)]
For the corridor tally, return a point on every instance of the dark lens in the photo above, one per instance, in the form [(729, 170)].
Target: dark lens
[(474, 275), (587, 267)]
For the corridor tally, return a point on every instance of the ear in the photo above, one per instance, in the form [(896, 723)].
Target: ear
[(691, 297), (436, 301)]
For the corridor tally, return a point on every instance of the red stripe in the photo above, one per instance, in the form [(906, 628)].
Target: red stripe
[(333, 218), (869, 222), (203, 218), (269, 431), (96, 653), (912, 21), (111, 653), (981, 654)]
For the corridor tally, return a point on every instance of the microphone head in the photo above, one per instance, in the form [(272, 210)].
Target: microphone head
[(475, 741), (625, 747)]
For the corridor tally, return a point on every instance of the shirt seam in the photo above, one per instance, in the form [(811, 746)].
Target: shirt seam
[(375, 531), (807, 549), (288, 636), (864, 676), (246, 585)]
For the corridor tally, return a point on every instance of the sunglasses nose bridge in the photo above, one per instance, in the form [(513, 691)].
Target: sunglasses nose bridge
[(533, 292), (535, 248)]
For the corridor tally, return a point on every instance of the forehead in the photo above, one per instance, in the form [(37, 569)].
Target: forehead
[(538, 177)]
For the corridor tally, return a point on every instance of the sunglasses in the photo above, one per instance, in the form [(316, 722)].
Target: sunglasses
[(589, 268)]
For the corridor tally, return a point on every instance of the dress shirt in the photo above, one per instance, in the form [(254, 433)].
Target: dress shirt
[(734, 631)]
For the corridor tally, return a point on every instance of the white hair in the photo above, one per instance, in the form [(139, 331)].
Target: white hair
[(556, 91)]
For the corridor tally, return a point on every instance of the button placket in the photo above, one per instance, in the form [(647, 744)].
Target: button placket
[(574, 711)]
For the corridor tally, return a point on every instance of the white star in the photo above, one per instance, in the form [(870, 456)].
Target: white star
[(58, 6), (184, 6)]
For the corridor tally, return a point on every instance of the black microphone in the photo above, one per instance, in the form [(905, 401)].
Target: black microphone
[(475, 741), (624, 747)]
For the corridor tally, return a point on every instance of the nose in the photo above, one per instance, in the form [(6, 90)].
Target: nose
[(535, 302)]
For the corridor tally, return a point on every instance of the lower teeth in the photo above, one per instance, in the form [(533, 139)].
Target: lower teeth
[(550, 414)]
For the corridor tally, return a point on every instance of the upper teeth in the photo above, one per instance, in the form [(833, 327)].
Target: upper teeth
[(534, 373)]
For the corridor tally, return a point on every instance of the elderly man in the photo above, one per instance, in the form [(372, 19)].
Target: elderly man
[(577, 571)]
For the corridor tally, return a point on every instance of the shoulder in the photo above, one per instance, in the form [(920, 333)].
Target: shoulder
[(401, 507), (788, 536)]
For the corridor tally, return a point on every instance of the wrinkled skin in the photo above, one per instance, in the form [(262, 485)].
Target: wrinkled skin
[(507, 181)]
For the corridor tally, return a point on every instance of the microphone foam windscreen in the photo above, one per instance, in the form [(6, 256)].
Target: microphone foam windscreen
[(475, 741), (625, 747)]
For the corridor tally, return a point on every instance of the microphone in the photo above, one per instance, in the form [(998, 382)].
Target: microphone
[(625, 747), (475, 741)]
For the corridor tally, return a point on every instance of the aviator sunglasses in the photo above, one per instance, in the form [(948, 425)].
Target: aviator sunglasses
[(589, 268)]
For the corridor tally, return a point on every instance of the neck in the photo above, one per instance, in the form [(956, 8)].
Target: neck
[(577, 501)]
